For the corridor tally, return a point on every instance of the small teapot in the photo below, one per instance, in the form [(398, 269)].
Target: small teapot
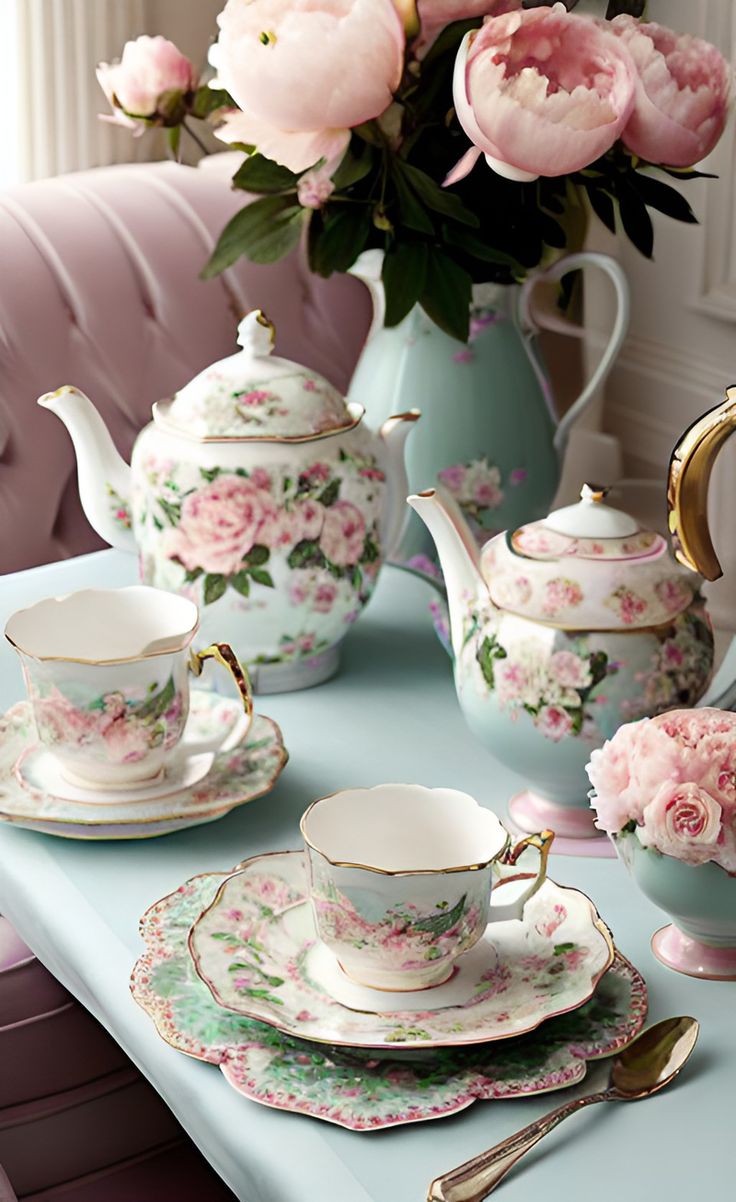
[(561, 631), (257, 492)]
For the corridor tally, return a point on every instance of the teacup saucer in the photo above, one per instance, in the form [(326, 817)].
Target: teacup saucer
[(358, 1089), (234, 777), (257, 950), (38, 771)]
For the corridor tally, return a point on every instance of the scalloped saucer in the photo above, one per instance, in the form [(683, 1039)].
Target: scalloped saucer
[(356, 1089), (198, 788), (256, 948)]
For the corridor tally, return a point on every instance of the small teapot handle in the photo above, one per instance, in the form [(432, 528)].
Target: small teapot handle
[(531, 325)]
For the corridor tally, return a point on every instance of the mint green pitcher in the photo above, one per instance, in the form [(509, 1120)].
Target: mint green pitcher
[(489, 431)]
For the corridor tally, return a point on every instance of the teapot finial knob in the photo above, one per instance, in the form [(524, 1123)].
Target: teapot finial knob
[(256, 334), (594, 492)]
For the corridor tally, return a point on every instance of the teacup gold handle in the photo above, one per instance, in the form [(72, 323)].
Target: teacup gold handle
[(222, 653), (543, 842)]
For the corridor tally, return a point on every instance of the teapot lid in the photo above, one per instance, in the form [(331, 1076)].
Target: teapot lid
[(587, 566), (253, 394)]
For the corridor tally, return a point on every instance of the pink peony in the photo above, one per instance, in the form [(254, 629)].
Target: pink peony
[(343, 534), (682, 821), (305, 71), (541, 92), (453, 477), (219, 525), (553, 722), (682, 93), (569, 669), (609, 771), (149, 68)]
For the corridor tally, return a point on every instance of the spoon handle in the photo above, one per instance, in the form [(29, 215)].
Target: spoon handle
[(474, 1180)]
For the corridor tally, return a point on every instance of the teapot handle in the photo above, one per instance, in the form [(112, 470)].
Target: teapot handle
[(691, 464), (531, 325)]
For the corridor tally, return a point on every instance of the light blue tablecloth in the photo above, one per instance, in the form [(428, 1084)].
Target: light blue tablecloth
[(391, 715)]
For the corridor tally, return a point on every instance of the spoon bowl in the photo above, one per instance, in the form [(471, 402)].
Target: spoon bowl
[(649, 1063)]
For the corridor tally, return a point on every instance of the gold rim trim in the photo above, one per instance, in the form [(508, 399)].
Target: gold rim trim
[(103, 663), (596, 922), (397, 871), (169, 427)]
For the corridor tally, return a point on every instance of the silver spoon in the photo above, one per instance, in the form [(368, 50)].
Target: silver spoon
[(646, 1065)]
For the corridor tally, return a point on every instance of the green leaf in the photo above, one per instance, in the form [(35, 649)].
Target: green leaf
[(603, 207), (257, 555), (636, 221), (413, 213), (438, 923), (173, 137), (259, 174), (404, 276), (210, 473), (264, 231), (561, 948), (209, 100), (440, 200), (447, 294), (660, 196), (473, 245), (241, 583), (193, 574), (214, 587), (489, 651), (357, 579), (336, 244), (356, 164), (262, 577), (370, 551), (329, 495), (171, 509), (306, 554), (157, 705)]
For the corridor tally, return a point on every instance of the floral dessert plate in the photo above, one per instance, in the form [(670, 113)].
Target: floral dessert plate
[(256, 948), (235, 776), (352, 1088)]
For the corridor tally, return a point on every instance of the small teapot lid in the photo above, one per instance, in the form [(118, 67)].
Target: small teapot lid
[(253, 394), (587, 566)]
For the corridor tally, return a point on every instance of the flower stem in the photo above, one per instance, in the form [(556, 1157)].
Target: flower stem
[(195, 137)]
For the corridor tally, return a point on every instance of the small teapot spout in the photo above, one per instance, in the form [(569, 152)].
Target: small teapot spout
[(104, 477), (458, 554)]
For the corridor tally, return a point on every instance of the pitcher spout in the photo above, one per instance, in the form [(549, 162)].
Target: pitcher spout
[(458, 554), (103, 476)]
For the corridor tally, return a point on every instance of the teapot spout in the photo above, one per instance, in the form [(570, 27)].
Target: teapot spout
[(103, 476), (458, 554)]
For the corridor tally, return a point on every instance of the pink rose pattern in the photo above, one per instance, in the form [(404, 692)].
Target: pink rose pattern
[(671, 780), (561, 594), (117, 728), (476, 486), (680, 668), (553, 688), (228, 530)]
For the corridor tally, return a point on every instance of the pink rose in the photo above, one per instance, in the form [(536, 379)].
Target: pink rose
[(305, 71), (314, 189), (553, 722), (148, 68), (569, 669), (541, 92), (343, 534), (280, 529), (683, 821), (310, 516), (325, 595), (453, 477), (219, 525), (682, 93)]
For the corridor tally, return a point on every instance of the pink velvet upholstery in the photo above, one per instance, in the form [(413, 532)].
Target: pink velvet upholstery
[(99, 287)]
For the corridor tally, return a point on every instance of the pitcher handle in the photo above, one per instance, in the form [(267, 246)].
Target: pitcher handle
[(530, 325)]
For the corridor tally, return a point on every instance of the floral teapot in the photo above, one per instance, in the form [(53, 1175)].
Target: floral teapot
[(562, 630), (258, 493)]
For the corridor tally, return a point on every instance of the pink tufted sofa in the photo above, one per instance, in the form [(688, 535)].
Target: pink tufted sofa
[(99, 287)]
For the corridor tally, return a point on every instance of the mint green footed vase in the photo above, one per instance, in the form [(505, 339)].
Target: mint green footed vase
[(489, 431)]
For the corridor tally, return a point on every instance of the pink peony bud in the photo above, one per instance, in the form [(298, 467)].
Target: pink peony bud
[(541, 92), (314, 189), (305, 71), (682, 93), (149, 68)]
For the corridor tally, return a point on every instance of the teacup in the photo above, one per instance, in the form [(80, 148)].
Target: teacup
[(400, 880), (107, 675)]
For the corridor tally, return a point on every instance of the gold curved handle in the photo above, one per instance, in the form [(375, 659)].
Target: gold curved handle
[(690, 468), (223, 654), (542, 840)]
